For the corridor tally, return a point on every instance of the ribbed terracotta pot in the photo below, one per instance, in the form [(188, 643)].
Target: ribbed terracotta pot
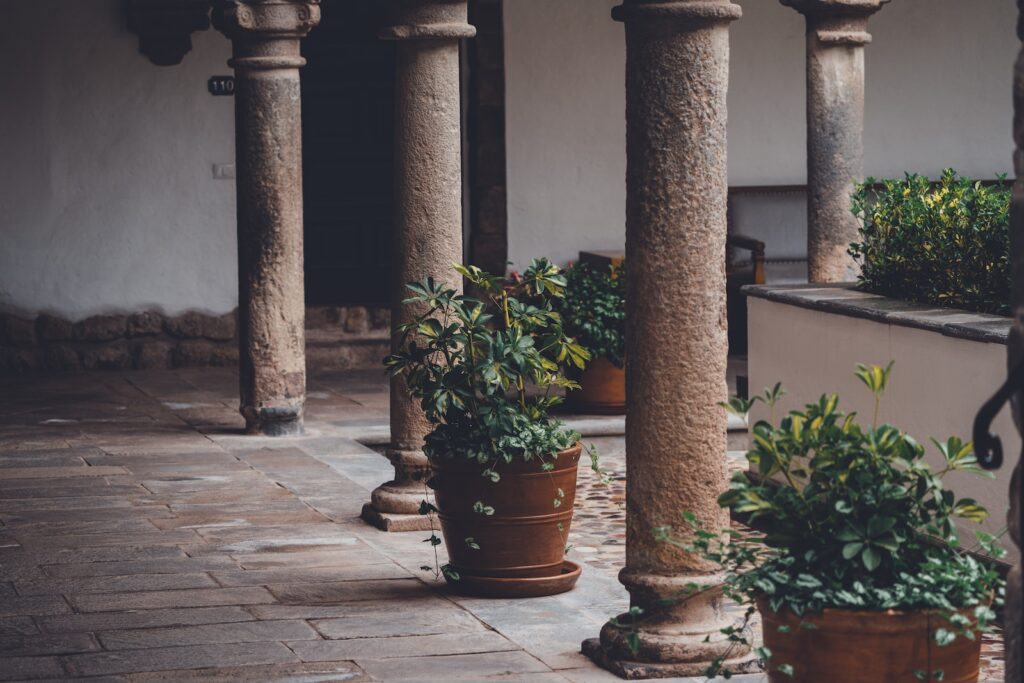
[(522, 545), (852, 646), (602, 389)]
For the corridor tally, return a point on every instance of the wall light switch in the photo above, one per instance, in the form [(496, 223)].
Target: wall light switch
[(223, 171)]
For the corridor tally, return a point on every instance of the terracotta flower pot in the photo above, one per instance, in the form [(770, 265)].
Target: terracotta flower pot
[(602, 389), (522, 545), (852, 646)]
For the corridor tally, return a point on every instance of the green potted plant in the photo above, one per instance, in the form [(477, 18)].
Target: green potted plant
[(854, 561), (594, 310), (485, 370)]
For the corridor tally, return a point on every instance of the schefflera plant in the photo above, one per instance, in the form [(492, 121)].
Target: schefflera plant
[(845, 516), (594, 309), (485, 368)]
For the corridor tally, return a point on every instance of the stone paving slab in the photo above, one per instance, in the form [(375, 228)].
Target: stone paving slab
[(138, 567), (453, 667), (402, 646), (16, 668), (206, 597), (123, 513), (60, 473), (143, 619), (50, 528), (59, 644), (170, 658), (147, 538), (54, 555), (332, 593), (112, 584), (33, 606), (382, 623), (329, 672), (238, 632), (198, 553), (13, 504), (210, 519), (378, 569), (17, 626), (36, 458), (308, 559), (34, 488)]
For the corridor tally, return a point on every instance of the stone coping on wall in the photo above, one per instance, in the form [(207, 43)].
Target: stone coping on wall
[(845, 299)]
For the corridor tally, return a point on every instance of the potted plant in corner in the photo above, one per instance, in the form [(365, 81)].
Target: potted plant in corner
[(484, 370), (854, 563), (594, 310)]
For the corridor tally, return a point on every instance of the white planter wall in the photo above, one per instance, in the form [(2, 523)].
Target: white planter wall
[(937, 385)]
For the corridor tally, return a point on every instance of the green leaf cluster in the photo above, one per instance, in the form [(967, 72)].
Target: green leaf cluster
[(946, 243), (848, 516), (853, 516), (484, 368), (594, 309)]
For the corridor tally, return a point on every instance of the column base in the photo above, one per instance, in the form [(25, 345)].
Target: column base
[(391, 521), (282, 421), (634, 670), (395, 505), (678, 634)]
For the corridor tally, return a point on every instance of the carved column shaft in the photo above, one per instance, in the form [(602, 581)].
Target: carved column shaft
[(836, 36), (677, 68), (427, 231), (266, 37)]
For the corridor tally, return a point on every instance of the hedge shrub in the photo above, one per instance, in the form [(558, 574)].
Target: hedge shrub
[(944, 243)]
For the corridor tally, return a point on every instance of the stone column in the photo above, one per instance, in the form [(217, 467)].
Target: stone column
[(265, 36), (427, 230), (677, 69), (836, 36), (1014, 610)]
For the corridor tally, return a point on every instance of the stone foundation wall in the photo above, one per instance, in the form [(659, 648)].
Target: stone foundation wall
[(152, 340)]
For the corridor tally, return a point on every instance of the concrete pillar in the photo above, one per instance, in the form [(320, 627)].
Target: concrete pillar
[(265, 37), (836, 36), (677, 69), (1014, 610), (427, 230)]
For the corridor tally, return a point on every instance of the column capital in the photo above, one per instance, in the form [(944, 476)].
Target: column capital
[(428, 20), (838, 22), (266, 18), (700, 12)]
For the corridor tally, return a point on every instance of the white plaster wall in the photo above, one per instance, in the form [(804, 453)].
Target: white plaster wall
[(107, 197), (938, 94), (937, 384), (565, 128)]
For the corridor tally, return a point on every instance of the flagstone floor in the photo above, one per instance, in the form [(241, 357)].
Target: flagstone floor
[(144, 538)]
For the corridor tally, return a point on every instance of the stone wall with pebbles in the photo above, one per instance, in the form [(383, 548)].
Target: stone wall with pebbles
[(50, 344)]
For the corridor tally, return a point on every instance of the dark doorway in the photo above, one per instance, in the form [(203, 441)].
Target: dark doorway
[(347, 114)]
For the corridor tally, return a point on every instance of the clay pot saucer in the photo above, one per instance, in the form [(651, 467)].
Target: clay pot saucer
[(520, 587)]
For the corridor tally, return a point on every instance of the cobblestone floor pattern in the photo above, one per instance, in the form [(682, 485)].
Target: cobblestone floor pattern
[(142, 538)]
